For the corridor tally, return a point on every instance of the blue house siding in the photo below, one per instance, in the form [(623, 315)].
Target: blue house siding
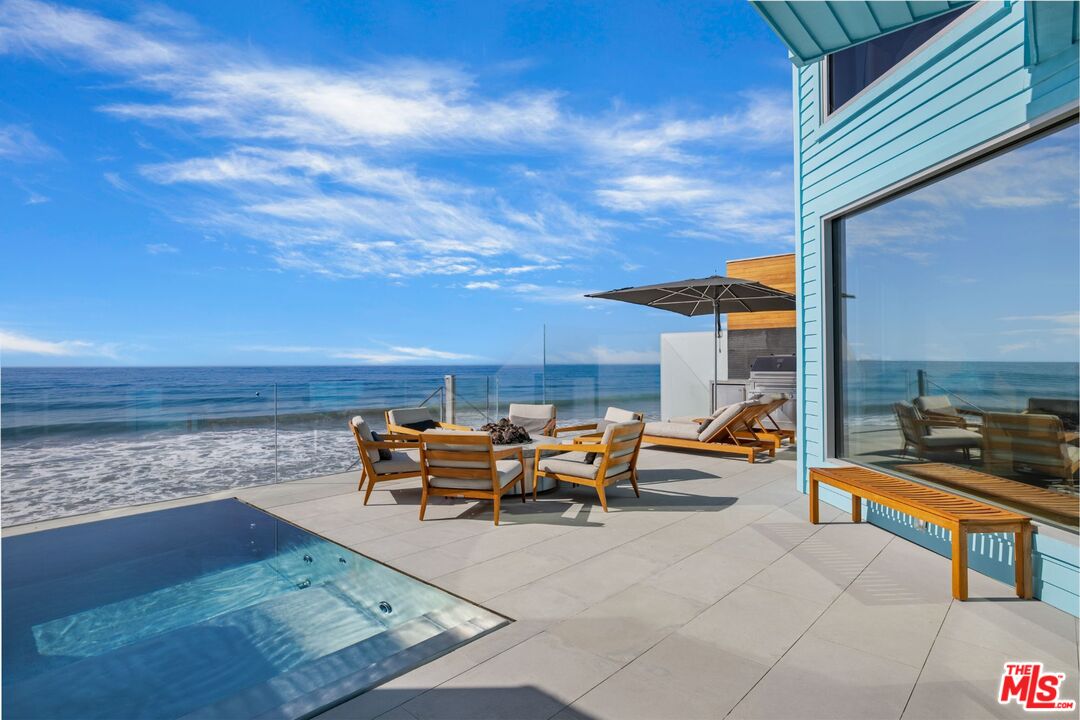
[(999, 68)]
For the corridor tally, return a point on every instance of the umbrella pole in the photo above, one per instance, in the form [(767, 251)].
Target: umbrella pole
[(715, 357)]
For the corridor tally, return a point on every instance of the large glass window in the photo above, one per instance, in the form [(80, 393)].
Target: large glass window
[(958, 309), (853, 69)]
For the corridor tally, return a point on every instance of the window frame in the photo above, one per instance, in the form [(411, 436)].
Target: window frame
[(833, 245), (825, 75)]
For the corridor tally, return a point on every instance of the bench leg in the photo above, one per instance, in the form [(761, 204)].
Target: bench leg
[(959, 563), (813, 501), (1022, 561), (856, 508)]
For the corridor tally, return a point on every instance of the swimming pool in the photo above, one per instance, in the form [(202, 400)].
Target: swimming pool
[(209, 610)]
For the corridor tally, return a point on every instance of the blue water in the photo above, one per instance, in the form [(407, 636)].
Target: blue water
[(218, 608), (77, 440), (871, 387)]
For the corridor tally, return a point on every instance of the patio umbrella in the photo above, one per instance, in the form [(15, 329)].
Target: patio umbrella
[(714, 295)]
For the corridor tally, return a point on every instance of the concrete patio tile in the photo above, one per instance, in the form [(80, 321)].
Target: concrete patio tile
[(486, 546), (602, 576), (678, 540), (628, 623), (818, 679), (384, 549), (430, 564), (961, 680), (754, 623), (756, 541), (485, 580), (707, 575), (535, 679), (678, 678), (1021, 629), (535, 602), (352, 534), (398, 713)]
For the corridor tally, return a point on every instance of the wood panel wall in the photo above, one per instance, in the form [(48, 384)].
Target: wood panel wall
[(776, 271)]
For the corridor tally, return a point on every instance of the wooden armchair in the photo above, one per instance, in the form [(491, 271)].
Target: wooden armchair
[(612, 416), (466, 464), (615, 459), (927, 437), (413, 421), (374, 468)]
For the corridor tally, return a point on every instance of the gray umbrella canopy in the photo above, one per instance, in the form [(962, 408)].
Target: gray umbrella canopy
[(713, 295), (705, 296)]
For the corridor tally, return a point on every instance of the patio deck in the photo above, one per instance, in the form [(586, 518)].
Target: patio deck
[(711, 596)]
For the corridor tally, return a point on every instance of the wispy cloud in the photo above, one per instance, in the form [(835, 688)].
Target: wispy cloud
[(17, 343), (161, 249), (18, 142), (604, 355), (330, 168), (380, 356)]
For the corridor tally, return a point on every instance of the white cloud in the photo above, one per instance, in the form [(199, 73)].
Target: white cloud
[(16, 343), (482, 286), (161, 249), (18, 142), (389, 355)]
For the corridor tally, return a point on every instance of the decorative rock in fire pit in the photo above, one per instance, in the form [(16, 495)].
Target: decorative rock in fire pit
[(505, 432)]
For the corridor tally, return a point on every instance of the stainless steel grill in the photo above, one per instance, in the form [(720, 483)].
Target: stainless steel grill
[(773, 374)]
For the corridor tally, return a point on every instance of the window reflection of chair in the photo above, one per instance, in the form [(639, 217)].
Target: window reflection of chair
[(926, 437), (939, 410), (1066, 409), (1028, 443)]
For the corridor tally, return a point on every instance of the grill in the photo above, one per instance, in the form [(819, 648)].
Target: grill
[(773, 374)]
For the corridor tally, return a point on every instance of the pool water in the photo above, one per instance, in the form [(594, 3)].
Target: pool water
[(209, 610)]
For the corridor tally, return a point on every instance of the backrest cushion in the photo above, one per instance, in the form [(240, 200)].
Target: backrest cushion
[(623, 455), (618, 415), (534, 418), (724, 418), (935, 403), (444, 440), (410, 417), (365, 434)]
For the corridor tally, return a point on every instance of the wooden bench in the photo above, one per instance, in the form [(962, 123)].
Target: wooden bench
[(960, 516)]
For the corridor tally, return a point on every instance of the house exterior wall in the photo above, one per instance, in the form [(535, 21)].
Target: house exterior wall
[(998, 71)]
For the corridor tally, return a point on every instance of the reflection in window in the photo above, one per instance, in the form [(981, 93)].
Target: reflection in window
[(959, 330), (853, 69)]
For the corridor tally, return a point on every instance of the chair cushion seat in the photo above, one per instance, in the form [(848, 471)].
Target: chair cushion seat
[(508, 472), (398, 463), (682, 431), (565, 464), (952, 437)]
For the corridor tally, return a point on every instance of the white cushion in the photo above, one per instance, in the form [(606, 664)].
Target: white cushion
[(724, 418), (434, 440), (952, 437), (508, 472), (565, 464), (609, 432), (398, 463), (681, 431), (404, 416), (365, 434), (534, 418), (935, 403), (618, 415)]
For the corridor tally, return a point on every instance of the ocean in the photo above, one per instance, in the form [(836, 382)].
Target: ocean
[(77, 440)]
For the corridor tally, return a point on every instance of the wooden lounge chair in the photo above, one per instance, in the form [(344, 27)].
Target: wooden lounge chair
[(536, 419), (612, 416), (466, 464), (374, 469), (719, 435), (755, 428), (413, 421), (615, 459), (926, 436), (1019, 442)]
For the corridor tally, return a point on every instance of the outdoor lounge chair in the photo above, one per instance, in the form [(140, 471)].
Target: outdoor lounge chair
[(939, 410), (615, 459), (413, 421), (374, 469), (536, 419), (466, 464), (1029, 443), (717, 434), (756, 429), (927, 437), (612, 416)]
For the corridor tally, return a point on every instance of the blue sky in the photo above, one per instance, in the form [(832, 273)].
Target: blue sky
[(312, 183)]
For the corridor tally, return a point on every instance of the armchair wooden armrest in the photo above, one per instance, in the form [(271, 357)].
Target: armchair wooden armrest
[(573, 428), (451, 426), (510, 451), (393, 444), (402, 430), (933, 419), (576, 447), (587, 437)]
